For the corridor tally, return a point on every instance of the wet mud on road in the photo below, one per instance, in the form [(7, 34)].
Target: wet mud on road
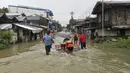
[(91, 60)]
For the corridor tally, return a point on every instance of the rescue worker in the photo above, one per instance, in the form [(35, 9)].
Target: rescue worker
[(63, 46), (51, 33), (48, 40), (75, 38), (69, 46)]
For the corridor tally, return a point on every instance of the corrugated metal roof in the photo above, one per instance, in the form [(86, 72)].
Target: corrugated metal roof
[(33, 17), (42, 16), (10, 17), (121, 26), (32, 28), (108, 4), (5, 26), (43, 26), (116, 2), (20, 18), (13, 14), (34, 8), (1, 14)]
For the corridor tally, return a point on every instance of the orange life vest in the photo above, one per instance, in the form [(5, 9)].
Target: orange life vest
[(51, 31), (69, 44)]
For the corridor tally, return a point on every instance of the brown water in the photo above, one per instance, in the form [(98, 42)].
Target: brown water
[(15, 49), (92, 60)]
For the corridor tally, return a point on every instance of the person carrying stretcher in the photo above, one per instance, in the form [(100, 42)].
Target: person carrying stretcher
[(67, 46)]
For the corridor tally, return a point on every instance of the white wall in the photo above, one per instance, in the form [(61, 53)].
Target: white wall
[(27, 11)]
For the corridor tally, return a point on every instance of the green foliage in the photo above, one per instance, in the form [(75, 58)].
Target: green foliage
[(120, 43), (124, 43), (5, 38), (68, 26), (4, 10)]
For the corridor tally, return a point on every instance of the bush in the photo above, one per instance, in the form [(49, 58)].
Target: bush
[(5, 38), (120, 43), (124, 43)]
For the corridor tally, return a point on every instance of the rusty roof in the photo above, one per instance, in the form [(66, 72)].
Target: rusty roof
[(109, 4)]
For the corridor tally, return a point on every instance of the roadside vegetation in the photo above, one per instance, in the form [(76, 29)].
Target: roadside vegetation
[(118, 43), (5, 39)]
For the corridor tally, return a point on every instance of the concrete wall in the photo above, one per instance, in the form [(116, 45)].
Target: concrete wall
[(106, 32)]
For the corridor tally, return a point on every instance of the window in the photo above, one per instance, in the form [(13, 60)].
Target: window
[(106, 16), (99, 18)]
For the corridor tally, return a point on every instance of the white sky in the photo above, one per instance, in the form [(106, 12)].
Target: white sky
[(60, 8)]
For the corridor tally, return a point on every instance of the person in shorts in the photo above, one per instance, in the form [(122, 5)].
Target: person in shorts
[(75, 38), (48, 40)]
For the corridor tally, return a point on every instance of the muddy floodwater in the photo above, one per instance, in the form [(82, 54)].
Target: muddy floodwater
[(92, 60), (15, 49)]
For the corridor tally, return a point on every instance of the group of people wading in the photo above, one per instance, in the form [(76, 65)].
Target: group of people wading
[(68, 43)]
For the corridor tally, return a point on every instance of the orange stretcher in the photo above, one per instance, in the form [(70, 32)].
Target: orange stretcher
[(59, 46)]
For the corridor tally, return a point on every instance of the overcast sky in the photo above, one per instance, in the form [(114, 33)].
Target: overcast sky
[(60, 8)]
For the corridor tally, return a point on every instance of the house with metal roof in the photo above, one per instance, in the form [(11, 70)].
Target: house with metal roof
[(28, 10), (19, 25), (116, 18), (4, 18)]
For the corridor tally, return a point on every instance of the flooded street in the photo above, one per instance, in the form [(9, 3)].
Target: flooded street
[(92, 60), (15, 49)]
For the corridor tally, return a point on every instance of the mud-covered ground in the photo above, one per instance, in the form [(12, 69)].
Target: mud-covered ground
[(91, 60)]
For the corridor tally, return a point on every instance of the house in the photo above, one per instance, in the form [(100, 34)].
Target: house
[(19, 25), (79, 25), (116, 18), (4, 18), (26, 32), (90, 26), (36, 19)]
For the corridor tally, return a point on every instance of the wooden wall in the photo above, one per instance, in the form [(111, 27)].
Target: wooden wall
[(120, 16)]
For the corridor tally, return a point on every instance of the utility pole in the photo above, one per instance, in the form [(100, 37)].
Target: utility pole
[(72, 19), (71, 13), (102, 21)]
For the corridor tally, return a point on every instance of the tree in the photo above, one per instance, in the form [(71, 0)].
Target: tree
[(68, 26), (4, 10), (57, 25)]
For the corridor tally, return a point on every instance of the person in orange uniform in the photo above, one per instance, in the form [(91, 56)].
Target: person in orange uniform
[(51, 33), (69, 46), (75, 38)]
